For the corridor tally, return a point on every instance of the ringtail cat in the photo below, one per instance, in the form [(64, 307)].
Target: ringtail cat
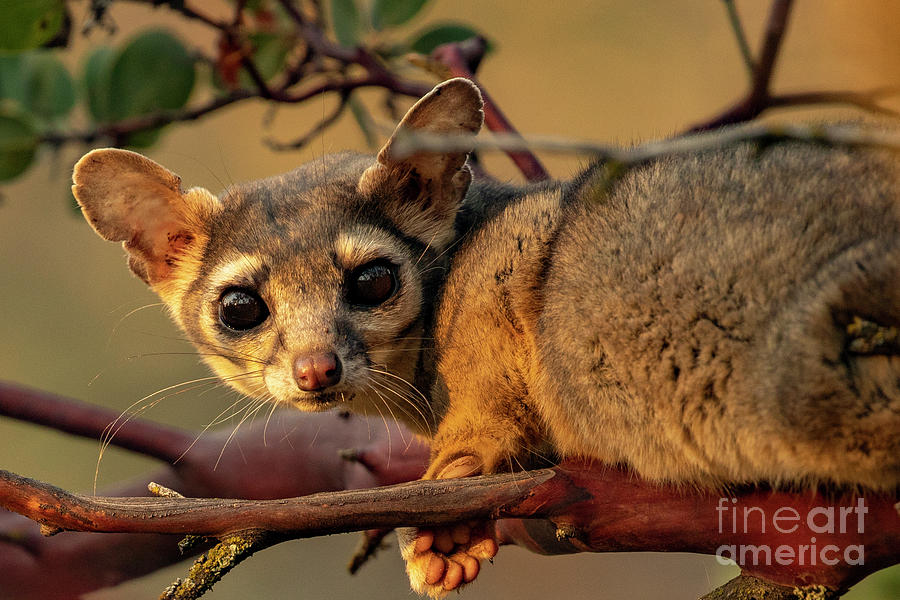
[(687, 319)]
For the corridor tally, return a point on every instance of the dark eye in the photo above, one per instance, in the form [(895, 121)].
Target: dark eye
[(372, 283), (241, 309)]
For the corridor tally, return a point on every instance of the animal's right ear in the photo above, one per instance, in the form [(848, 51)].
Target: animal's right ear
[(421, 192), (131, 199)]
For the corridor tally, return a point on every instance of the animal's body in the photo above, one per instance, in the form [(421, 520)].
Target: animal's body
[(687, 319)]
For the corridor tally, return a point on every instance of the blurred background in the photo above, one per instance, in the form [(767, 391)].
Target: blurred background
[(74, 320)]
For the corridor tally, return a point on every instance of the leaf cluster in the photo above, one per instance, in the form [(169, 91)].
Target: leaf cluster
[(154, 74)]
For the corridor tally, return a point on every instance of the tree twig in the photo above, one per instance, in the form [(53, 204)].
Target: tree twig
[(315, 130), (866, 100), (740, 37), (370, 542), (776, 25), (851, 135)]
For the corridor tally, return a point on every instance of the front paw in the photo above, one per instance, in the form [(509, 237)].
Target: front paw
[(442, 559)]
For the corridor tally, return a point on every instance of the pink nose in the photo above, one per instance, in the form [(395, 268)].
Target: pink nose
[(314, 372)]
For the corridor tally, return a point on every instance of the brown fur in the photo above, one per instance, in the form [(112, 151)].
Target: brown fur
[(694, 332), (687, 320)]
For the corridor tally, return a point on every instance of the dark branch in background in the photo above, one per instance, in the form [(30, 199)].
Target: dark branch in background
[(865, 100), (456, 59), (776, 26), (759, 98), (119, 131), (461, 60), (43, 408)]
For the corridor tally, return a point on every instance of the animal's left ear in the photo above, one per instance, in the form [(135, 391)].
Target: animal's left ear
[(422, 192)]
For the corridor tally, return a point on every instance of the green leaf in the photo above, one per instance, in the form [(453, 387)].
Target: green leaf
[(39, 82), (443, 33), (346, 22), (96, 76), (18, 142), (29, 23), (50, 91), (390, 13), (269, 53), (143, 139), (153, 72), (12, 81)]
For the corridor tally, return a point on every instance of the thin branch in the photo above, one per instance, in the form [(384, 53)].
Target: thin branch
[(429, 503), (318, 128), (851, 135), (238, 17), (315, 37), (258, 80), (737, 27), (371, 541), (864, 100), (217, 562), (123, 128)]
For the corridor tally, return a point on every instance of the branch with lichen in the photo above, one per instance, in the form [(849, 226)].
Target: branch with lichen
[(574, 507)]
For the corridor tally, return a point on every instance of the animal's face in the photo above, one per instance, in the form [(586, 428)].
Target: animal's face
[(311, 287), (306, 292)]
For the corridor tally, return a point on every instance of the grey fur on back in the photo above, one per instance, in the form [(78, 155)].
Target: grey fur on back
[(694, 318)]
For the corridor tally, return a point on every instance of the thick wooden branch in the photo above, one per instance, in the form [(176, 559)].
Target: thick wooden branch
[(435, 502), (784, 538)]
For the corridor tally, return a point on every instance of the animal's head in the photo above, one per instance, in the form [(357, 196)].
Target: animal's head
[(310, 287)]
